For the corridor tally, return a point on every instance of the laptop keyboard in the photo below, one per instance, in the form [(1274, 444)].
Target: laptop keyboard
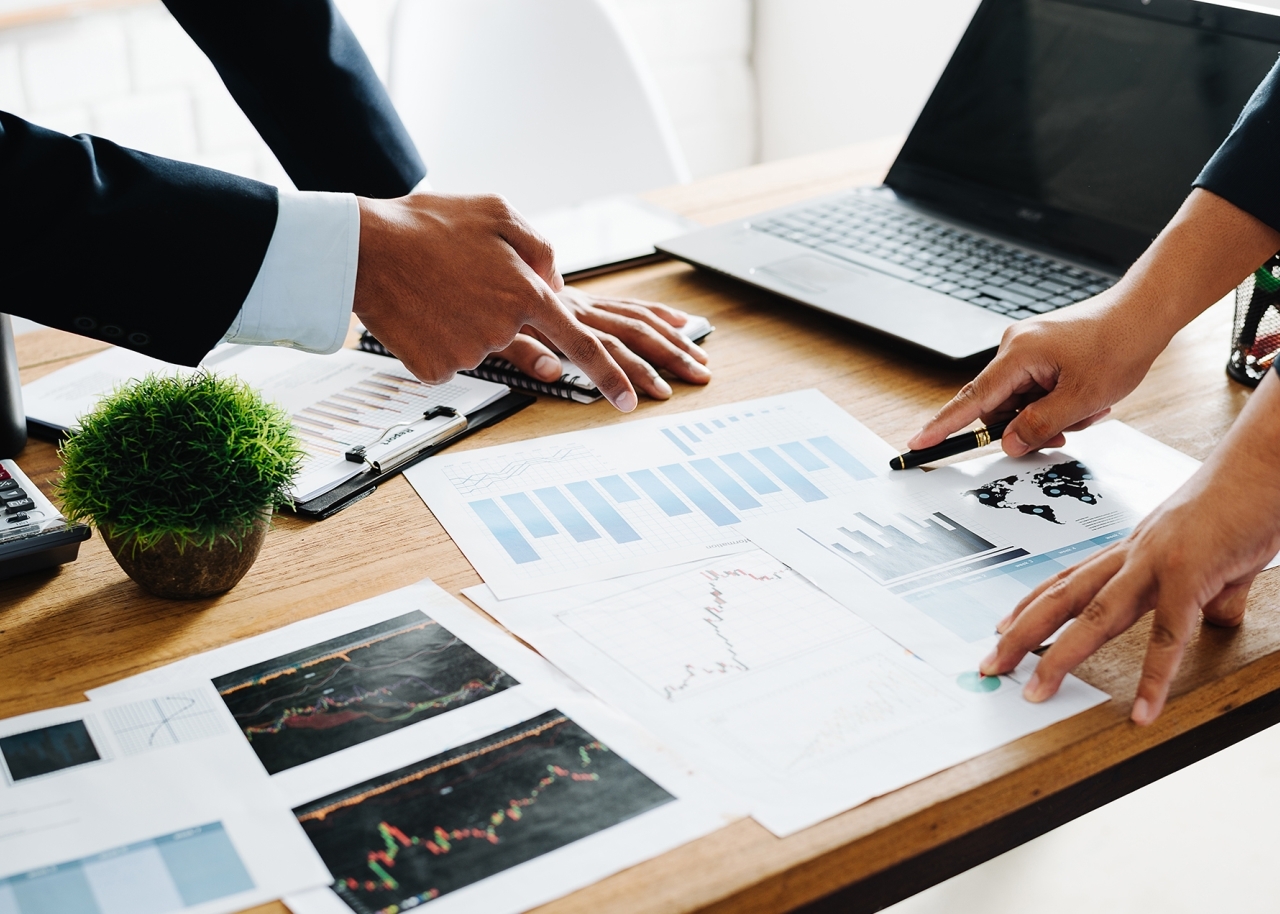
[(938, 256)]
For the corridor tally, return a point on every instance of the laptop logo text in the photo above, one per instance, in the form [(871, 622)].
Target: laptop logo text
[(1029, 214)]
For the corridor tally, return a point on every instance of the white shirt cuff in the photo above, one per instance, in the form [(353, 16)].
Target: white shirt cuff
[(305, 287)]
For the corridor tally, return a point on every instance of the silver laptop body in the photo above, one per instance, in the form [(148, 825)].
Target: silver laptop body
[(1060, 139)]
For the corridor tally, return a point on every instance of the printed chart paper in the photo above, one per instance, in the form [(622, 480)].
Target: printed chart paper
[(587, 506), (146, 802), (431, 758), (771, 687), (936, 561)]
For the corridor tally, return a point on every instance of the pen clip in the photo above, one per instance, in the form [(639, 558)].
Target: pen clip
[(400, 443)]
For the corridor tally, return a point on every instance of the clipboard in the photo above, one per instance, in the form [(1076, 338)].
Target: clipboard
[(351, 491)]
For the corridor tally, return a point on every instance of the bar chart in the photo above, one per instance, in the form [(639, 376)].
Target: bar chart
[(169, 873), (585, 506), (661, 500)]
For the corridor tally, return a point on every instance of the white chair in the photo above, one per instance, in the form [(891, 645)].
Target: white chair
[(543, 101)]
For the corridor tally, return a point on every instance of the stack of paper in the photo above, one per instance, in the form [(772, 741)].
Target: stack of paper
[(753, 584)]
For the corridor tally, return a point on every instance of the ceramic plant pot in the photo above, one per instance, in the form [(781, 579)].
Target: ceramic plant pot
[(191, 572)]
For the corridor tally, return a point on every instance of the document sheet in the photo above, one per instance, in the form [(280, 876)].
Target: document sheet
[(147, 802), (771, 687), (590, 505), (432, 759), (336, 402), (936, 560)]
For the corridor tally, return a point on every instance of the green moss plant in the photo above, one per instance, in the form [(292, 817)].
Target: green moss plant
[(194, 458)]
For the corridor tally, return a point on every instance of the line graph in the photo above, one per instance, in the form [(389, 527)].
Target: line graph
[(318, 700), (481, 478), (694, 630), (164, 721), (422, 831)]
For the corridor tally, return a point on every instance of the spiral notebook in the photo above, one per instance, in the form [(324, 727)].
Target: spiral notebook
[(573, 384)]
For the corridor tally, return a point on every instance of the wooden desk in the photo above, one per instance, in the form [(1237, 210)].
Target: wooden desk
[(88, 624)]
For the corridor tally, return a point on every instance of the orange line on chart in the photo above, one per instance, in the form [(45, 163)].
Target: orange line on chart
[(340, 654), (359, 798)]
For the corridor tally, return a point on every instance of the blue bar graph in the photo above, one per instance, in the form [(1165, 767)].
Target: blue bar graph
[(618, 490), (534, 520), (713, 473), (678, 443), (697, 493), (807, 459), (717, 423), (702, 427), (841, 458), (790, 476), (505, 532), (688, 434), (667, 500), (577, 525), (604, 513), (754, 476)]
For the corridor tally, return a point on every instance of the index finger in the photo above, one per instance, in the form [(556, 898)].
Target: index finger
[(582, 348), (991, 389), (1119, 604)]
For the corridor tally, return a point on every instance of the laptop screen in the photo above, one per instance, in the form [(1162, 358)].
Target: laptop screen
[(1081, 124)]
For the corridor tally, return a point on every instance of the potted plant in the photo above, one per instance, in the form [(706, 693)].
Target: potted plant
[(181, 476)]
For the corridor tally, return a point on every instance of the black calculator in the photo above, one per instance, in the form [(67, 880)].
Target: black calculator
[(33, 533)]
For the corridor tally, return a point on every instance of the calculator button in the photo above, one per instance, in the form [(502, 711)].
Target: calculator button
[(16, 507)]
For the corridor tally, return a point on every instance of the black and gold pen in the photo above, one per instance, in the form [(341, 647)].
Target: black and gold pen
[(956, 444)]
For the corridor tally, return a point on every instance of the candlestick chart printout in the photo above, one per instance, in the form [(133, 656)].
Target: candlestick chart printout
[(553, 512), (422, 831), (344, 691)]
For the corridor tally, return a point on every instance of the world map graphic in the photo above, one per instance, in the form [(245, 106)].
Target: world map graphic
[(1021, 492)]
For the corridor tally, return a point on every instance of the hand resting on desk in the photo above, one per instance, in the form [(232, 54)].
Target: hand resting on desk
[(641, 336), (445, 281), (1199, 551)]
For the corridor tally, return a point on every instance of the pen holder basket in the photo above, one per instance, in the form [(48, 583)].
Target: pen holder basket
[(1255, 334)]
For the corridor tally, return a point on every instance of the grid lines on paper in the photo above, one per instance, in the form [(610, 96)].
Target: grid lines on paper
[(166, 720)]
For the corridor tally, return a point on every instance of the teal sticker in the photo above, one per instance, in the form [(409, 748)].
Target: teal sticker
[(973, 681)]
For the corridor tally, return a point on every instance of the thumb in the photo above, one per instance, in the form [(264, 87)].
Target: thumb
[(1228, 607)]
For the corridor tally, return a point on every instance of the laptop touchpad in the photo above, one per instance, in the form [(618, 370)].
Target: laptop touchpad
[(812, 273)]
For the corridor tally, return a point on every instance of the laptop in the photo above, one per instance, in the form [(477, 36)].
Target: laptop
[(1060, 139)]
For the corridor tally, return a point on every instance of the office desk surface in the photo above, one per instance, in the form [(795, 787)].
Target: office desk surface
[(64, 632)]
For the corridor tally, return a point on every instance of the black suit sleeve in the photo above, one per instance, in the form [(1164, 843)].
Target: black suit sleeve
[(1245, 170), (297, 71), (158, 255), (148, 253)]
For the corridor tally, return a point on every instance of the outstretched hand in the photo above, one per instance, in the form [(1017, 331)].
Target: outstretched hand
[(641, 336), (444, 281), (1059, 372), (1063, 371), (1196, 554)]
